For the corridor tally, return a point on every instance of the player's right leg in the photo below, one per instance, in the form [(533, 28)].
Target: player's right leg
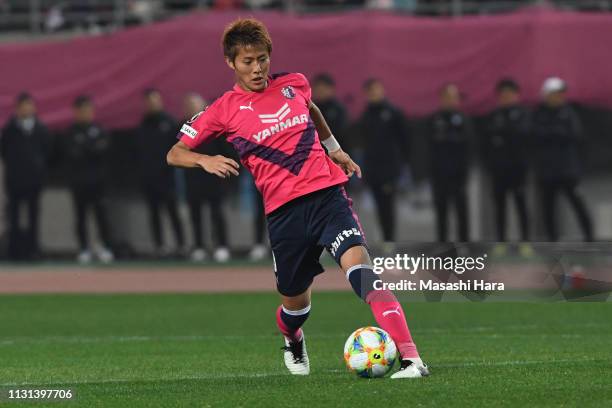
[(388, 312), (290, 317)]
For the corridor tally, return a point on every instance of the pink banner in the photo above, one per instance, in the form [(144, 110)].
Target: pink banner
[(414, 57)]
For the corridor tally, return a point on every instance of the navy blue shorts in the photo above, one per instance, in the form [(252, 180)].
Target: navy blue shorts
[(302, 228)]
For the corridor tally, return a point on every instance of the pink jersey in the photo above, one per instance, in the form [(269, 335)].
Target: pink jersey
[(274, 136)]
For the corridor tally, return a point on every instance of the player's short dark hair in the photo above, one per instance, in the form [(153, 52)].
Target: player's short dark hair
[(367, 84), (23, 97), (507, 83), (81, 100), (245, 32), (323, 78)]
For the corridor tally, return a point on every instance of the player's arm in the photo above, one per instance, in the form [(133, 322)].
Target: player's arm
[(328, 140), (180, 155)]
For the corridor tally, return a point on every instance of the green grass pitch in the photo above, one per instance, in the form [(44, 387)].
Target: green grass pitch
[(223, 350)]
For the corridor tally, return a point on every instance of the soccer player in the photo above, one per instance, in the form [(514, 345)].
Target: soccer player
[(278, 133)]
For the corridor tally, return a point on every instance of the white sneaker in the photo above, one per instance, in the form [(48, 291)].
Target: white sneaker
[(258, 252), (222, 255), (85, 257), (198, 255), (411, 368), (296, 357), (105, 255)]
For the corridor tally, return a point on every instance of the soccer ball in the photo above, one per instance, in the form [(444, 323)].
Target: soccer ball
[(370, 352)]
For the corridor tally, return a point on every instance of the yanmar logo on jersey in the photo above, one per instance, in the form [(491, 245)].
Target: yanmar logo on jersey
[(280, 123)]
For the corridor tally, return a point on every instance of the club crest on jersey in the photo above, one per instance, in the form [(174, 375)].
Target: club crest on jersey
[(288, 92)]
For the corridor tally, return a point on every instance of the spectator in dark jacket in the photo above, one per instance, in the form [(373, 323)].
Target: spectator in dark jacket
[(86, 147), (385, 146), (557, 134), (334, 112), (156, 135), (24, 146), (203, 187), (451, 136), (505, 154)]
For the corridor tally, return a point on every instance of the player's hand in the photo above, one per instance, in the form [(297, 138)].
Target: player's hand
[(220, 166), (345, 162)]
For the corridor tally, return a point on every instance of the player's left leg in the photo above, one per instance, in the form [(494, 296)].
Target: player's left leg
[(387, 311), (344, 238)]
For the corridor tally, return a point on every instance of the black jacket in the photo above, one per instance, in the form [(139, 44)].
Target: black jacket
[(557, 138), (85, 148), (335, 116), (450, 143), (385, 142), (25, 154), (155, 136), (505, 140)]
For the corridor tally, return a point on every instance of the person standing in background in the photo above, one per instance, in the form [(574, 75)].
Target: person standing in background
[(156, 134), (324, 96), (203, 188), (450, 141), (557, 134), (24, 147), (505, 154), (385, 144), (259, 251), (86, 147)]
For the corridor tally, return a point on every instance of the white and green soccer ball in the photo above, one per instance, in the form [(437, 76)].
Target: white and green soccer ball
[(370, 352)]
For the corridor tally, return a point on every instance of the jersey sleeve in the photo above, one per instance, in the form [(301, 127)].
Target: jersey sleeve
[(303, 86), (202, 127)]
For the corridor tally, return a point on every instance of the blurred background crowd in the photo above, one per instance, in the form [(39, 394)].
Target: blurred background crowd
[(521, 171), (95, 16)]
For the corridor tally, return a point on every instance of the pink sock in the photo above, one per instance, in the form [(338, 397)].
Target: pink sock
[(291, 334), (390, 317)]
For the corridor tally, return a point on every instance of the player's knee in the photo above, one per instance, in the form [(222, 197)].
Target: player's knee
[(355, 255), (363, 280)]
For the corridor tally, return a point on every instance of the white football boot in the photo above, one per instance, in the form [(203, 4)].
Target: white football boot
[(412, 368), (296, 357)]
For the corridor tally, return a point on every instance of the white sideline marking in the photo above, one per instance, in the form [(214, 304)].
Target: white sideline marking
[(147, 380), (477, 330)]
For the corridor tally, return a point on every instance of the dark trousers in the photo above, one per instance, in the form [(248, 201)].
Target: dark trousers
[(384, 197), (219, 223), (501, 188), (155, 201), (443, 193), (550, 191), (86, 198), (23, 243)]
